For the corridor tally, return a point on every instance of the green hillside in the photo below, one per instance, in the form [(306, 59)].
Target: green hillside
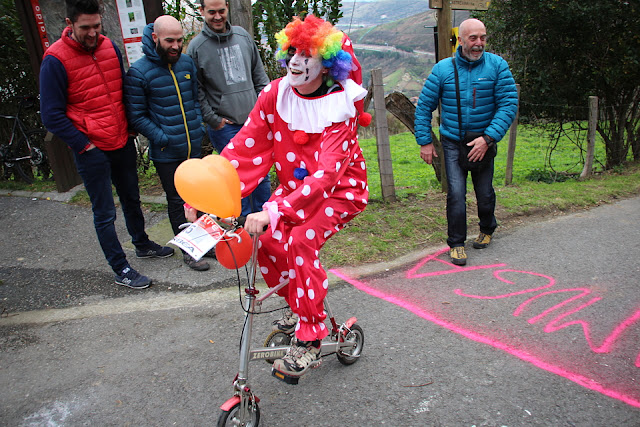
[(361, 14), (408, 33), (402, 49)]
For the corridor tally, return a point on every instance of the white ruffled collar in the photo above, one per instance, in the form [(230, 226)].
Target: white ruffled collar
[(313, 115)]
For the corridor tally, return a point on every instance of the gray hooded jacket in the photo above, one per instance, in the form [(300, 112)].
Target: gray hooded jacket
[(230, 74)]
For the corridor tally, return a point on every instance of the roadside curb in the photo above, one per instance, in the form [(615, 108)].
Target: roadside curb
[(354, 272), (68, 195)]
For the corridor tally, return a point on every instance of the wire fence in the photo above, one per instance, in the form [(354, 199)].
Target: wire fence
[(562, 132), (552, 141)]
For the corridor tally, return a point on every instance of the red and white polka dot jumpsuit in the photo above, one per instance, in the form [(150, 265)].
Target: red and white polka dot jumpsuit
[(313, 143)]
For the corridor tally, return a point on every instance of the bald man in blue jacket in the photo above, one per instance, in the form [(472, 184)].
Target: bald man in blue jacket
[(489, 102)]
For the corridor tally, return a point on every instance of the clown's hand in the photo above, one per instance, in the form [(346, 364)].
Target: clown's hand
[(191, 214), (257, 223)]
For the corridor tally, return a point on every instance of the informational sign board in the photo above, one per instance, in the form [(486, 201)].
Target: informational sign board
[(461, 4), (132, 22)]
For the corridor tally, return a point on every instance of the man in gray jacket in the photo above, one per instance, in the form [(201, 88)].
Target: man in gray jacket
[(230, 77)]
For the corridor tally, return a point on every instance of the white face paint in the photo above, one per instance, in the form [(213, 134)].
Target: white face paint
[(305, 72)]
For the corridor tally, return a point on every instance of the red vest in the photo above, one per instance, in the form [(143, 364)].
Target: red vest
[(94, 92)]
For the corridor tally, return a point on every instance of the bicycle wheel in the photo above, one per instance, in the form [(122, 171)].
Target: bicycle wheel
[(142, 150), (356, 337), (20, 168), (277, 339), (233, 417), (39, 158)]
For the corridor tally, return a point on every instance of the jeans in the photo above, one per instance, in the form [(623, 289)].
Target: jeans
[(457, 196), (99, 169), (175, 209), (253, 202)]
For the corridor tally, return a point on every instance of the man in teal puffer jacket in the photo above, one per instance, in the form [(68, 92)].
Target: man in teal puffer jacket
[(161, 96), (489, 102)]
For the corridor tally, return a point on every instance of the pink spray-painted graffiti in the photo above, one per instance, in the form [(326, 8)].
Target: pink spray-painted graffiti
[(566, 307)]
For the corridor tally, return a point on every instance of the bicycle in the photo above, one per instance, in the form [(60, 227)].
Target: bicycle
[(23, 154), (346, 341), (143, 163)]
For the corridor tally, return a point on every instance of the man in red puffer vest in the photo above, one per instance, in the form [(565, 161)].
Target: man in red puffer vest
[(81, 102)]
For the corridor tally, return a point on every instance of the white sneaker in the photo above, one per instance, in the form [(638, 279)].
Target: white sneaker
[(301, 356), (287, 324)]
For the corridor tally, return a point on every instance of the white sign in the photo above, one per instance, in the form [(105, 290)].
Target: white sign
[(132, 21)]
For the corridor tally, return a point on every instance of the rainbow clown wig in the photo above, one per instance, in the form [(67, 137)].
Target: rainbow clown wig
[(315, 36)]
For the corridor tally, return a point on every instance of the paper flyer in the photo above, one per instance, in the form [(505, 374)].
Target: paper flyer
[(199, 238)]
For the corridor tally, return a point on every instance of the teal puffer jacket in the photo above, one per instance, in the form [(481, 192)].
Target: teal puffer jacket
[(162, 104), (488, 98)]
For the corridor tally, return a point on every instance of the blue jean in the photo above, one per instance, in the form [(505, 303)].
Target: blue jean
[(457, 196), (99, 169), (175, 209), (253, 202)]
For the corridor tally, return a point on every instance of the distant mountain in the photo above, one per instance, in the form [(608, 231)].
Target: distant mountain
[(411, 33), (402, 49), (396, 36), (368, 14)]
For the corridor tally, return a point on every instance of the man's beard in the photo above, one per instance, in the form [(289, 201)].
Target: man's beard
[(165, 56), (469, 54)]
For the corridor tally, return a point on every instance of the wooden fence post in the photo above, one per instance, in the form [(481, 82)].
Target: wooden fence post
[(399, 105), (591, 138), (511, 149), (382, 138)]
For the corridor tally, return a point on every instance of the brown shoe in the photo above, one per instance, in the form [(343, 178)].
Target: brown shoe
[(195, 265), (458, 256), (210, 254), (482, 241)]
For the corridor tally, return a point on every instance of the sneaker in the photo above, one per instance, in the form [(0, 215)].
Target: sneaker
[(132, 279), (155, 251), (287, 324), (482, 241), (195, 265), (301, 356), (458, 256)]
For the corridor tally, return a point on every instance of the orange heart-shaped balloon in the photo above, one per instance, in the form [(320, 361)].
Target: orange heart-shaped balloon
[(209, 185), (232, 253), (232, 179)]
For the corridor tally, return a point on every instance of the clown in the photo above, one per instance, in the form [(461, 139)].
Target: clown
[(306, 125)]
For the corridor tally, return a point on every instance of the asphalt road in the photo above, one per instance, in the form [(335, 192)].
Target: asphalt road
[(542, 328)]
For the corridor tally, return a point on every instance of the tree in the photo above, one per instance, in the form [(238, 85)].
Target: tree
[(563, 51), (16, 76), (187, 12), (271, 16)]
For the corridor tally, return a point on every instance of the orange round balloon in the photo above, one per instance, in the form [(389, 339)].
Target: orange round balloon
[(232, 253), (210, 185)]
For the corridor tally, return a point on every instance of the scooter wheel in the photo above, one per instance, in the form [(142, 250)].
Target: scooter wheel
[(276, 339), (232, 417), (351, 356)]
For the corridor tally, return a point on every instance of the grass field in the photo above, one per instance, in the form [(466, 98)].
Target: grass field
[(413, 176), (417, 219), (388, 230)]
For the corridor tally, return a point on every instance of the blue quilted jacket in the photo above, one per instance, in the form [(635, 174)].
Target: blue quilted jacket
[(488, 98), (162, 104)]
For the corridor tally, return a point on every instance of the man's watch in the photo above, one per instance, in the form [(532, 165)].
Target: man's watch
[(490, 141)]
